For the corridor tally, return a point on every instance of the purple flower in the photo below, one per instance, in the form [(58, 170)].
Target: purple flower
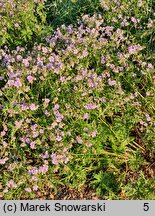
[(11, 184), (114, 19), (10, 82), (27, 140), (41, 131), (79, 140), (56, 107), (59, 138), (136, 103), (55, 161), (30, 79), (90, 83), (59, 119), (46, 112), (111, 82), (40, 63), (43, 169), (12, 75), (118, 54), (133, 19), (65, 150), (64, 159), (150, 66), (84, 72), (62, 79), (32, 145), (18, 124), (33, 127), (54, 124), (84, 53), (16, 25), (33, 107), (148, 118), (46, 100), (18, 57), (91, 106), (79, 77), (28, 190), (50, 65), (4, 143), (44, 49), (24, 107), (2, 161), (35, 187), (68, 133), (46, 155), (86, 116), (93, 134), (35, 134), (85, 129), (17, 83), (3, 133), (132, 49), (26, 62), (28, 120), (56, 71), (34, 171), (53, 155), (102, 59), (34, 178)]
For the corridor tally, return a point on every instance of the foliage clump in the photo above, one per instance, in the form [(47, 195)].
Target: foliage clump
[(78, 108)]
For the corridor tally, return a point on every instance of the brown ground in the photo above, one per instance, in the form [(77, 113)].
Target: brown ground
[(65, 193)]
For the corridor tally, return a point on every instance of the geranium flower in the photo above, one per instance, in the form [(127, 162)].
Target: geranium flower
[(33, 107), (91, 106)]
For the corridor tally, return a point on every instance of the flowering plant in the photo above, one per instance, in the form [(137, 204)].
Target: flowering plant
[(21, 22), (77, 108)]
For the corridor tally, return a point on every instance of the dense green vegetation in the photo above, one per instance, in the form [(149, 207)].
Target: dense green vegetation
[(77, 98)]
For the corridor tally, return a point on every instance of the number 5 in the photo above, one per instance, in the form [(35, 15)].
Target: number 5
[(146, 207)]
